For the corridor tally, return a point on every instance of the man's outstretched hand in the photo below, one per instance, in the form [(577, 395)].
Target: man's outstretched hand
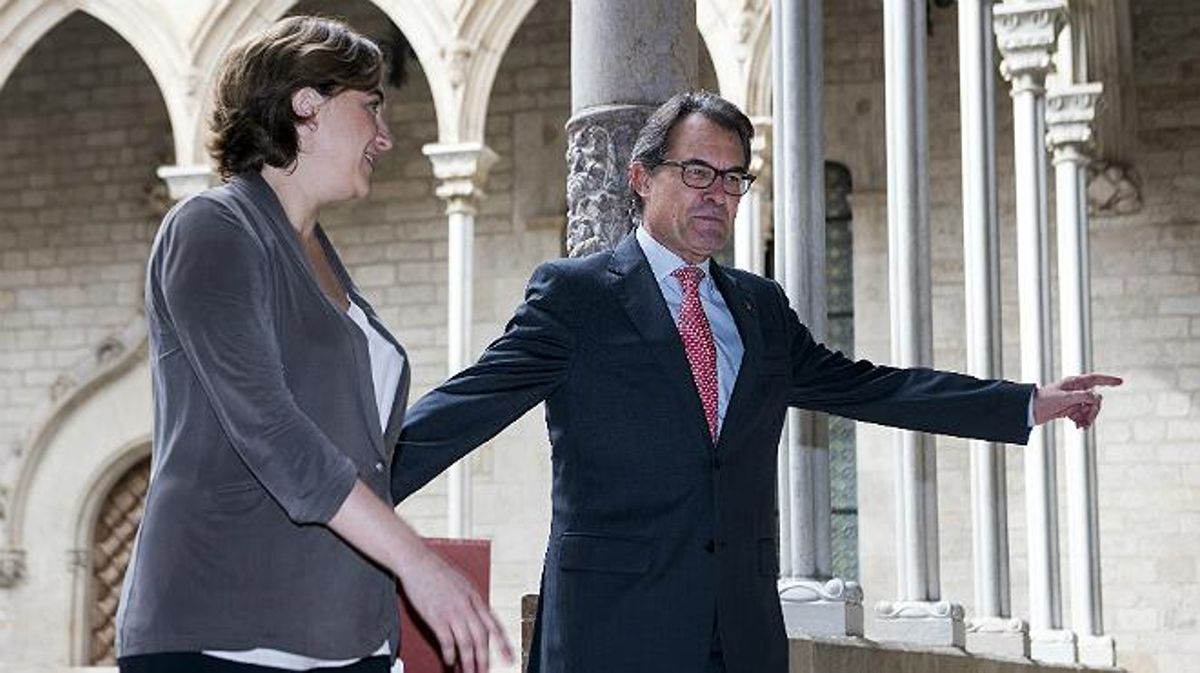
[(1074, 397)]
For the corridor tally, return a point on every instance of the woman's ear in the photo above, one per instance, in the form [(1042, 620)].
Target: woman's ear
[(305, 103)]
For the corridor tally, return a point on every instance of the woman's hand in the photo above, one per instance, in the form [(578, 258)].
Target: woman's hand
[(460, 619)]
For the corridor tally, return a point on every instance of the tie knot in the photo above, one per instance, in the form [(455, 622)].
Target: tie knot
[(689, 276)]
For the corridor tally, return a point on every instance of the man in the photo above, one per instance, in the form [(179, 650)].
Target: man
[(666, 378)]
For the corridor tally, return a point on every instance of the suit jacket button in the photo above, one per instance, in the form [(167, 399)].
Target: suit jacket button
[(710, 546), (379, 466)]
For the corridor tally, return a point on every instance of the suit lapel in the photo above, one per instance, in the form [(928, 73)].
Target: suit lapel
[(747, 319), (642, 298)]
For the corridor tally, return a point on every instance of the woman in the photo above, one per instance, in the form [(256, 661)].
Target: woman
[(267, 542)]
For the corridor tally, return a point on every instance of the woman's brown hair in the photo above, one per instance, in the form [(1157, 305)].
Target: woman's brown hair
[(253, 122)]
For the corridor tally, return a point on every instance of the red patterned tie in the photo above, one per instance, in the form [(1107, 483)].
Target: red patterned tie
[(697, 339)]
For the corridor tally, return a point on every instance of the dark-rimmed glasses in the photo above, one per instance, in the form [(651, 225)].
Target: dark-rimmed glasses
[(699, 174)]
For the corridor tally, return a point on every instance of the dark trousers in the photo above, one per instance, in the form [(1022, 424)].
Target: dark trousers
[(193, 662)]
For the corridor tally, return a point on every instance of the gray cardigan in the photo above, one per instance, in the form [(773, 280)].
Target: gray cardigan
[(264, 416)]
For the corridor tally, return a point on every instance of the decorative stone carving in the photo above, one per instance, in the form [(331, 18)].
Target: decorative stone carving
[(1070, 111), (1003, 636), (458, 59), (821, 608), (463, 169), (12, 567), (1026, 33), (599, 207), (1113, 189), (919, 609), (101, 358)]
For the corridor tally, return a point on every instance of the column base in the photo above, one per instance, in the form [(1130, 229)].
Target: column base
[(1052, 646), (821, 608), (185, 181), (931, 623), (1097, 651), (999, 636)]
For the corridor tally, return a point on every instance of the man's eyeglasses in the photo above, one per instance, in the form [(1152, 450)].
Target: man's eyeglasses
[(699, 174)]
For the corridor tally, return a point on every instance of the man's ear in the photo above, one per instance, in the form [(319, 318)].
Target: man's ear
[(305, 103), (639, 179)]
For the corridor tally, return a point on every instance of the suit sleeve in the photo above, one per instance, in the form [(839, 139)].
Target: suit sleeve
[(921, 399), (210, 279), (517, 371)]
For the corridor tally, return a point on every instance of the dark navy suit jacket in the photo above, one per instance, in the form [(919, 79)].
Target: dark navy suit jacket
[(655, 529)]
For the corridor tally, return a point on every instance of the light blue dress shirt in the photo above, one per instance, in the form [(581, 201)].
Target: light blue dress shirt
[(725, 334)]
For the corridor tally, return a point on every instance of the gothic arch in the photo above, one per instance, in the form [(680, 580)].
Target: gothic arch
[(423, 25), (24, 24)]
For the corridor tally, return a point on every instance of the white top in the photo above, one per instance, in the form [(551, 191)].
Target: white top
[(386, 366)]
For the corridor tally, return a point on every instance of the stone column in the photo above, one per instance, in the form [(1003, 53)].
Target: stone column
[(1070, 111), (748, 227), (814, 602), (627, 57), (462, 169), (918, 614), (185, 181), (991, 629), (1025, 34)]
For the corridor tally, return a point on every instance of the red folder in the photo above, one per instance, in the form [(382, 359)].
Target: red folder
[(418, 646)]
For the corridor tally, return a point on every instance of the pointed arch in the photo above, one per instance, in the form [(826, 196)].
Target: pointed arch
[(423, 24), (24, 24)]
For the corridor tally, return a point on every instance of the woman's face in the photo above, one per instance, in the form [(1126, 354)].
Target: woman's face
[(347, 136)]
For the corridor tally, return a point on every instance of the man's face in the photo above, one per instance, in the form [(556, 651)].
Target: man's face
[(692, 223)]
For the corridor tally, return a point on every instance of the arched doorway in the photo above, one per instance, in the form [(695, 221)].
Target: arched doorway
[(112, 542)]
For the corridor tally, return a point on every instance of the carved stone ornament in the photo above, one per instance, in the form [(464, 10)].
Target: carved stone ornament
[(12, 567), (835, 590), (463, 170), (1026, 33), (599, 207), (919, 610), (458, 57), (1113, 189), (1070, 112)]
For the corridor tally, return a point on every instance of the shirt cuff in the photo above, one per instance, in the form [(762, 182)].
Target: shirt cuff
[(1030, 422)]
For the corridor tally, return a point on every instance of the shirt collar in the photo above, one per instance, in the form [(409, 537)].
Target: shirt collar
[(662, 261)]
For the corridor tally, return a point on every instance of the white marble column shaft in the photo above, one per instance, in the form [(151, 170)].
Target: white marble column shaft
[(1026, 32), (991, 629), (918, 614), (814, 602), (1071, 109), (462, 169)]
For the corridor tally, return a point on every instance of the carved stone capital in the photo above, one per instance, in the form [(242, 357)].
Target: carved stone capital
[(463, 170), (12, 567), (1113, 189), (599, 144), (1026, 33), (1070, 111), (185, 181)]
